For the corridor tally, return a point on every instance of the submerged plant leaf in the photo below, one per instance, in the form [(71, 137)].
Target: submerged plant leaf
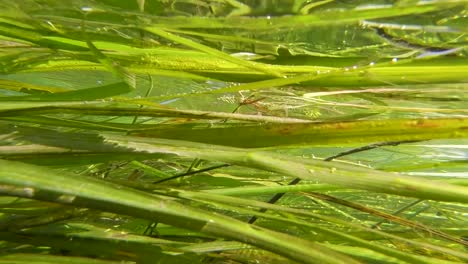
[(309, 169), (39, 183), (50, 259), (127, 128), (77, 95), (357, 132)]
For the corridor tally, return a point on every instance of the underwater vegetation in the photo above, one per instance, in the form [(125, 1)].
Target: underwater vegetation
[(233, 131)]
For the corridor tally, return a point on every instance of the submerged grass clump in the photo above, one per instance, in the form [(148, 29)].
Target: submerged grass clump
[(233, 131)]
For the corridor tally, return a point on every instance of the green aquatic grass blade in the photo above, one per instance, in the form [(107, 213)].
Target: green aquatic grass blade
[(37, 37), (92, 93), (388, 217), (348, 16), (19, 258), (41, 155), (35, 182), (77, 65), (363, 178), (262, 47), (211, 51), (79, 124), (25, 208), (15, 22), (318, 18), (242, 205), (365, 255), (335, 173), (27, 88), (256, 190), (24, 110), (238, 204), (437, 70), (90, 240), (24, 34), (56, 140), (355, 132), (271, 135), (18, 105), (261, 190)]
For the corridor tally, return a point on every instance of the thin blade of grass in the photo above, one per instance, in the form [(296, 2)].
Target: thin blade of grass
[(20, 258), (258, 67), (39, 183), (335, 173), (327, 133), (92, 93)]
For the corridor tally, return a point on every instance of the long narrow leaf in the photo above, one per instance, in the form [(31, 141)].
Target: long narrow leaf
[(20, 179)]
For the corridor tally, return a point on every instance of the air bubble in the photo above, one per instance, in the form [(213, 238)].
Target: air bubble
[(86, 9)]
